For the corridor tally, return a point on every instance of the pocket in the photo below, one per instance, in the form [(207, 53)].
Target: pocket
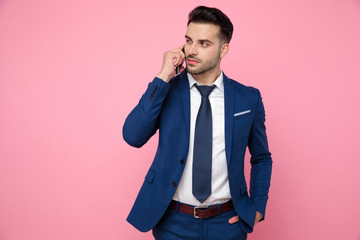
[(150, 176), (243, 188), (235, 230), (242, 113)]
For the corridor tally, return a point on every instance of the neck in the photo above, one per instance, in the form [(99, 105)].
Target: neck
[(209, 77)]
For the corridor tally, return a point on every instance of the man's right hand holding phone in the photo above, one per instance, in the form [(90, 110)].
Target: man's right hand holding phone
[(171, 60)]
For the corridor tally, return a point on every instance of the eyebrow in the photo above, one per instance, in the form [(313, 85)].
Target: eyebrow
[(200, 40)]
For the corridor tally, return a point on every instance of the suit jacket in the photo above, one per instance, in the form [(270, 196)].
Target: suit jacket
[(166, 107)]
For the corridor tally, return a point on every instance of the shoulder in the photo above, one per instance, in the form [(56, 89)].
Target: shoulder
[(239, 88)]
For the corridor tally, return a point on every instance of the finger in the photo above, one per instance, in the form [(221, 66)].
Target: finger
[(179, 51), (181, 69), (183, 60), (234, 219), (257, 219), (182, 54), (181, 46), (177, 59)]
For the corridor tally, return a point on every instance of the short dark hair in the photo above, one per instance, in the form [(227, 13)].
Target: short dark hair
[(202, 14)]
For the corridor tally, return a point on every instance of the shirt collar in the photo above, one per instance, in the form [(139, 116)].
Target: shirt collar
[(218, 82)]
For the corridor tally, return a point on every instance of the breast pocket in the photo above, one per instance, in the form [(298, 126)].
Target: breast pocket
[(243, 114), (242, 125)]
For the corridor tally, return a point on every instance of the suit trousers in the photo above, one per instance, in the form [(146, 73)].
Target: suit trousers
[(176, 225)]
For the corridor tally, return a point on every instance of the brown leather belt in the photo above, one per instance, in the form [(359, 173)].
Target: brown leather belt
[(203, 211)]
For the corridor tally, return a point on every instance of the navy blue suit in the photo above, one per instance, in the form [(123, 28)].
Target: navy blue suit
[(166, 107)]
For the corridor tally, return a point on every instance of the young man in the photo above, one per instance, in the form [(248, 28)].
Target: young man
[(195, 187)]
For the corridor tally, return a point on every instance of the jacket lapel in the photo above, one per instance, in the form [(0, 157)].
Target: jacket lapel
[(229, 115), (185, 95)]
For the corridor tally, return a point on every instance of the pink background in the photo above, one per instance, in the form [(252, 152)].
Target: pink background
[(71, 71)]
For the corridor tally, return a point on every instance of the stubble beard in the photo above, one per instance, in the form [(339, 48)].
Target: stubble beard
[(206, 66)]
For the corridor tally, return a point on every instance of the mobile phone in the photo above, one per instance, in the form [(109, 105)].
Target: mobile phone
[(177, 69)]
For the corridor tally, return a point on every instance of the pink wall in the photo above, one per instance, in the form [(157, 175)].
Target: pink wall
[(70, 72)]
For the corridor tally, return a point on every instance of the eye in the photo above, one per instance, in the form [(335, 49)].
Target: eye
[(188, 40), (204, 44)]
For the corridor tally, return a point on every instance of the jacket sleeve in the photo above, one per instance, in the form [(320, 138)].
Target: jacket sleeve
[(142, 122), (261, 161)]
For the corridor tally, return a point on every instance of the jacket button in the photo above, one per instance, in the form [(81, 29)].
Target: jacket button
[(174, 184), (182, 161)]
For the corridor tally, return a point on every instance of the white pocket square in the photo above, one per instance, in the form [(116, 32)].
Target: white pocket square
[(241, 113)]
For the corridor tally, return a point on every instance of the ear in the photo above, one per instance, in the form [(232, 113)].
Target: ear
[(224, 50)]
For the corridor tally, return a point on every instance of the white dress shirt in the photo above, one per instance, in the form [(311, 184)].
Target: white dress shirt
[(220, 191)]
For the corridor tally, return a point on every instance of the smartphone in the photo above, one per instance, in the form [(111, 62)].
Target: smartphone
[(177, 69)]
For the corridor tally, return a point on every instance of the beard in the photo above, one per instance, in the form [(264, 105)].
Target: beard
[(204, 66)]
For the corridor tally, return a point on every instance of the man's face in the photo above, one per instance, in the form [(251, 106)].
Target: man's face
[(202, 47)]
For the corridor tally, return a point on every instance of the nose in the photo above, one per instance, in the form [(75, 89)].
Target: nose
[(193, 50)]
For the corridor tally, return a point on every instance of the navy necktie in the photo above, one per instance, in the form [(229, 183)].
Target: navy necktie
[(201, 182)]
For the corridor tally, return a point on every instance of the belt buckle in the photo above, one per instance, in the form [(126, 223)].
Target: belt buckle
[(201, 207)]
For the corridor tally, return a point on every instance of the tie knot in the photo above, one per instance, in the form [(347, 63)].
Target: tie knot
[(205, 90)]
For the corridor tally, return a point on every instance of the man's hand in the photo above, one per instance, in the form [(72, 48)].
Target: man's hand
[(171, 60), (236, 218)]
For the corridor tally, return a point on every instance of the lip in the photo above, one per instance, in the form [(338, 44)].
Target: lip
[(191, 61)]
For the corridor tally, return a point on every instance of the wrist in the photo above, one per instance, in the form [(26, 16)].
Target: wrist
[(163, 76)]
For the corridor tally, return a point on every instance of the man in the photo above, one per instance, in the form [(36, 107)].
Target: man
[(195, 187)]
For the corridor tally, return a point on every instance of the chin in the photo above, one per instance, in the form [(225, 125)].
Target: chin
[(192, 70)]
